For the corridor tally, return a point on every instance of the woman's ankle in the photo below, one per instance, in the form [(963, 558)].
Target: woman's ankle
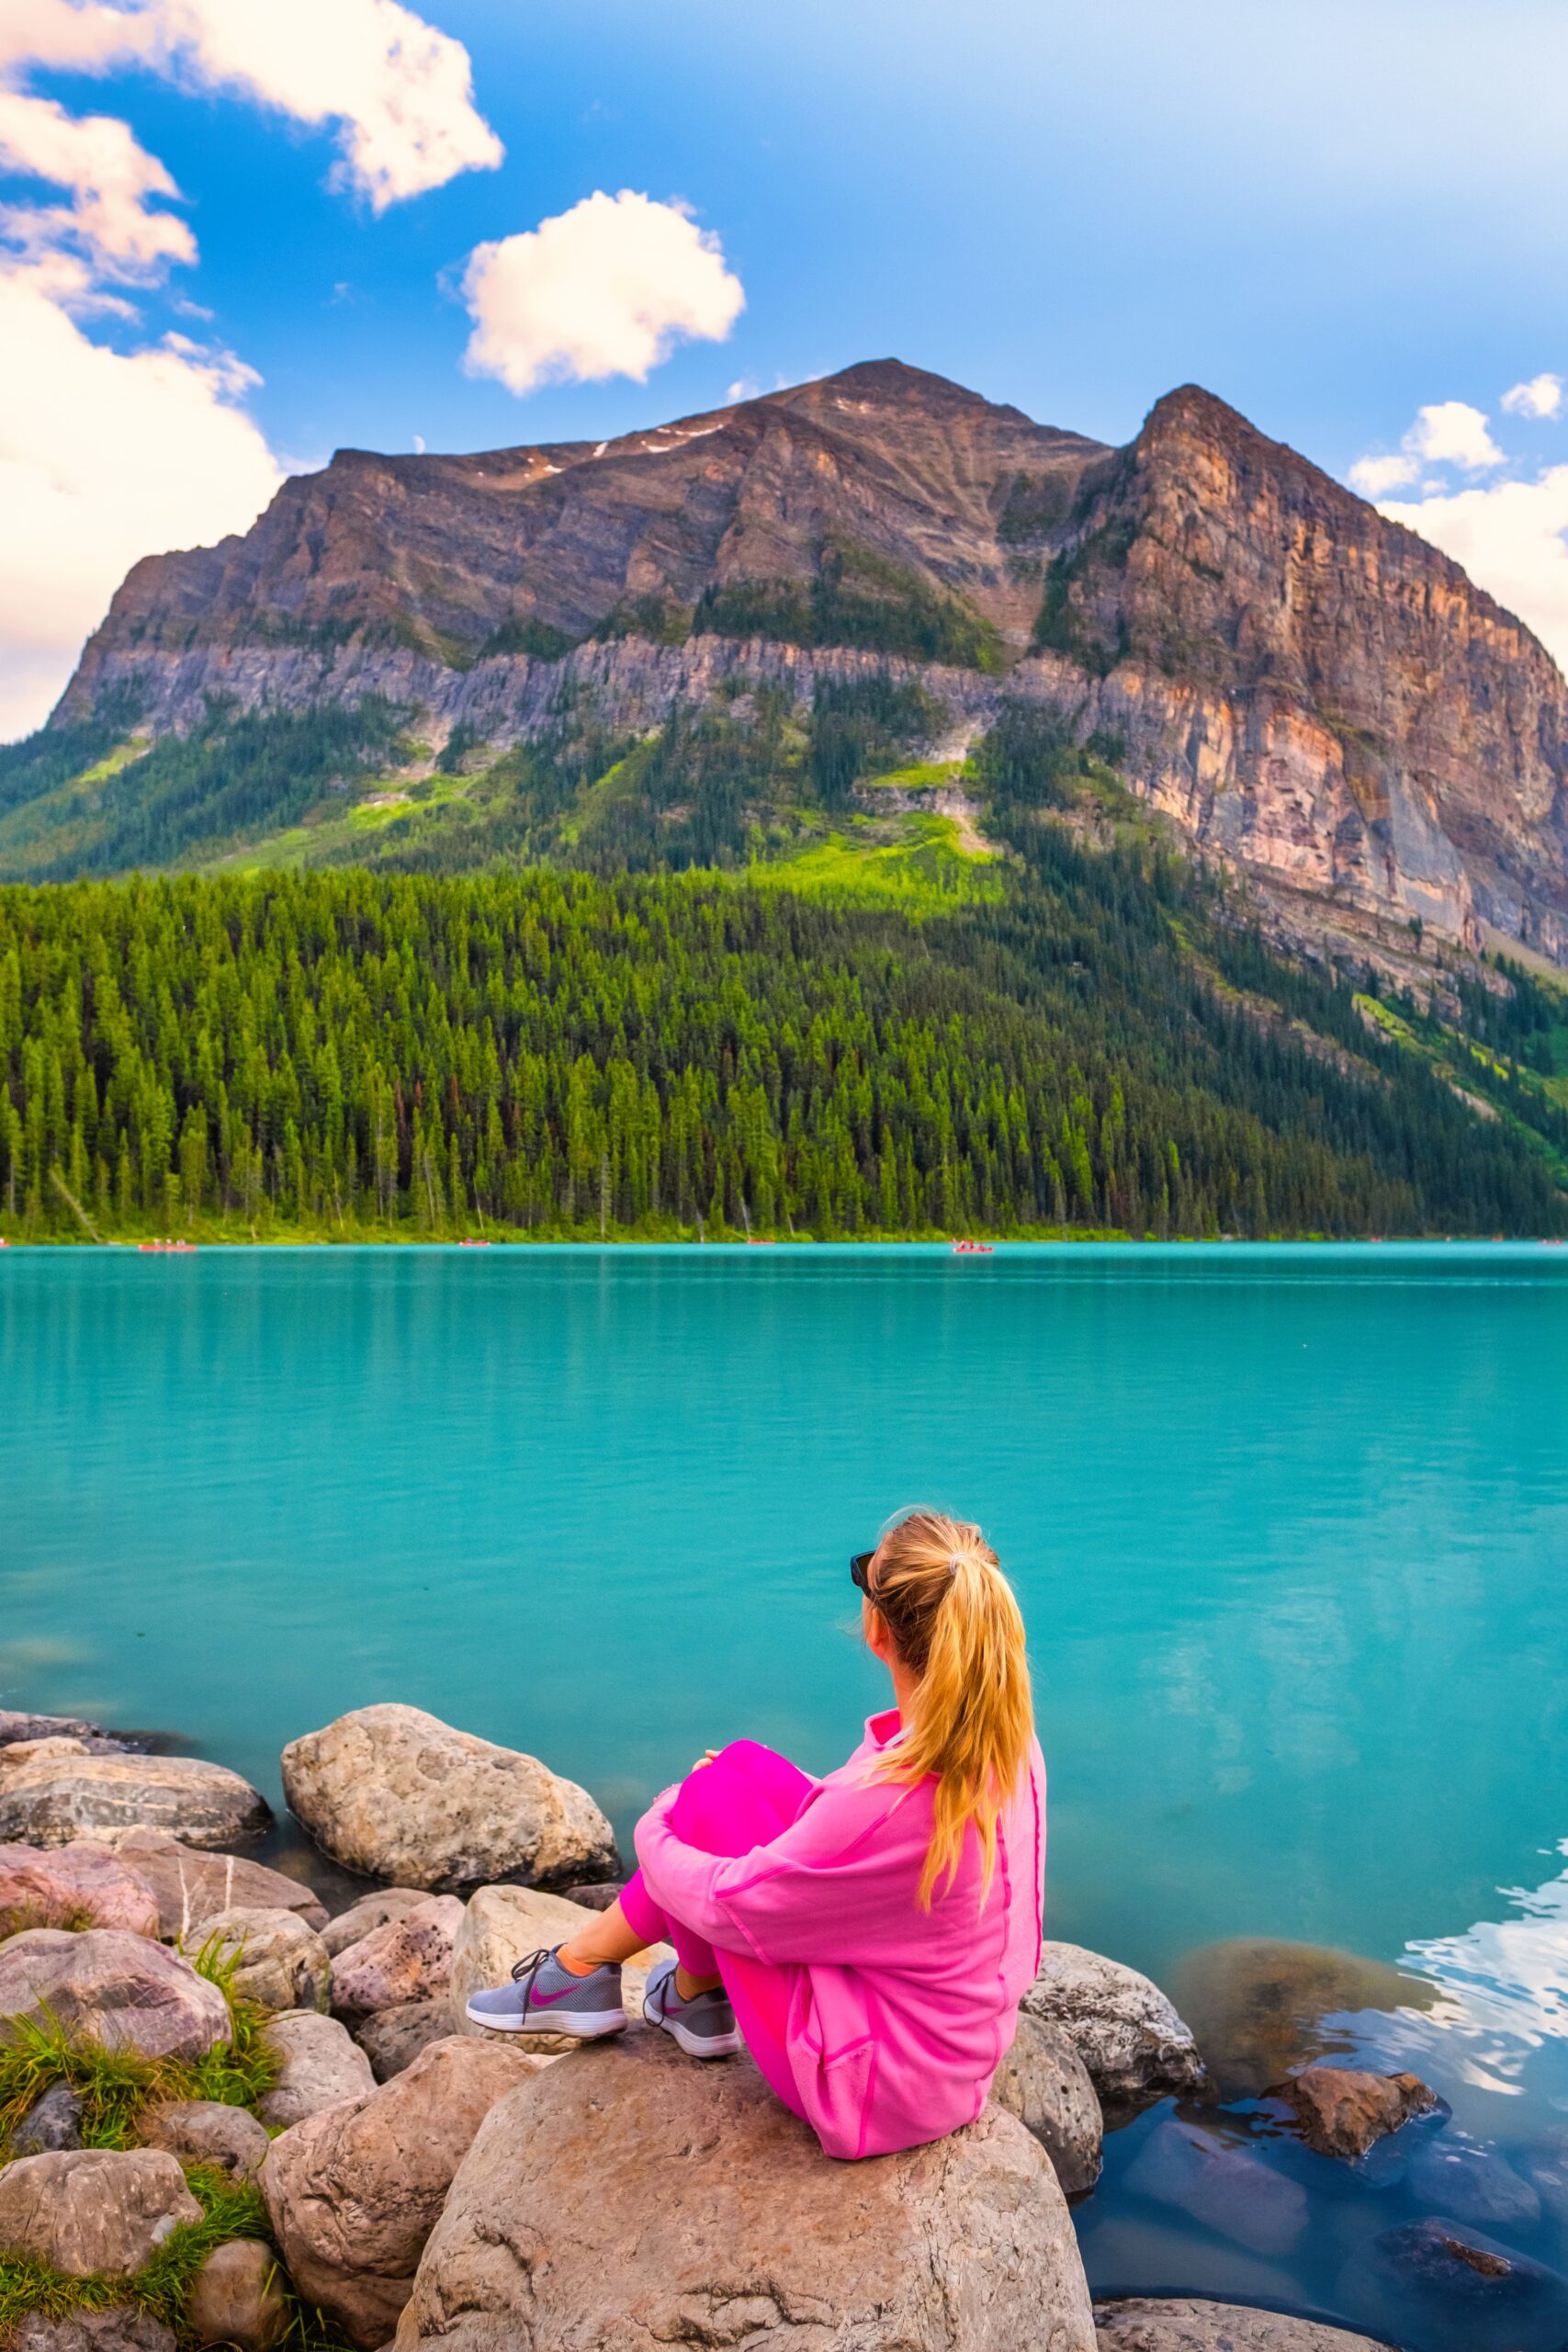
[(688, 1986)]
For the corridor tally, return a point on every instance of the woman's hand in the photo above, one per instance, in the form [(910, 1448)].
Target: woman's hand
[(705, 1757)]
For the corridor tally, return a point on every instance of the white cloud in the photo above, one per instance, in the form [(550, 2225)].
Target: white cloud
[(400, 91), (606, 289), (1510, 539), (1452, 433), (1375, 477), (104, 458), (1541, 396)]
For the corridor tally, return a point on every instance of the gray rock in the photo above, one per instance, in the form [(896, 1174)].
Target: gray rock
[(392, 2039), (81, 1886), (1136, 2048), (1544, 2164), (1470, 2184), (204, 2131), (51, 1799), (94, 2210), (1256, 2007), (53, 2122), (119, 2329), (1446, 2274), (1046, 2084), (17, 1729), (280, 1962), (237, 2298), (1221, 2186), (595, 1893), (406, 1959), (321, 2066), (191, 1888), (627, 2197), (397, 1793), (353, 2192), (123, 1990), (1181, 2324), (371, 1911)]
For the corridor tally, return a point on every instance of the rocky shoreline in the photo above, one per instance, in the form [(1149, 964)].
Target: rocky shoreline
[(229, 2118)]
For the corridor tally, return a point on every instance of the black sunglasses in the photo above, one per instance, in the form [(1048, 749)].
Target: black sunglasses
[(860, 1571)]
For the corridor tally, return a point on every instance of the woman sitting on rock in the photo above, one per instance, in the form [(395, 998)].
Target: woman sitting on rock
[(868, 1936)]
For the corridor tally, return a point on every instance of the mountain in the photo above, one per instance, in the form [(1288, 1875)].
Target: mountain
[(1308, 690)]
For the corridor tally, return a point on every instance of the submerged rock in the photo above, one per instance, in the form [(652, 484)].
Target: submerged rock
[(81, 1886), (1443, 2274), (628, 2197), (321, 2066), (405, 1959), (1341, 2112), (353, 2192), (1257, 2005), (51, 1799), (192, 1888), (1183, 2323), (123, 1990), (95, 2211), (237, 2298), (392, 2039), (371, 1911), (1136, 2048), (1470, 2184), (1046, 2084), (1224, 2187), (204, 2131), (398, 1794), (279, 1962)]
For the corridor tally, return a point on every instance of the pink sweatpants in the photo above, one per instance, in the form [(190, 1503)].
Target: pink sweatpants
[(744, 1797)]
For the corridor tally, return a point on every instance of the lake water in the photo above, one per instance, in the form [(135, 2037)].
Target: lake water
[(1290, 1526)]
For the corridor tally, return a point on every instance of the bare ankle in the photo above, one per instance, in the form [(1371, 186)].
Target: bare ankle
[(689, 1986)]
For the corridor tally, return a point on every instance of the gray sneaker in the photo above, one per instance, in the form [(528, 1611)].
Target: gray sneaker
[(704, 2026), (544, 1997)]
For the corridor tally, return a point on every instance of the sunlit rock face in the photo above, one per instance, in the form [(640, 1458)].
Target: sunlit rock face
[(1306, 688)]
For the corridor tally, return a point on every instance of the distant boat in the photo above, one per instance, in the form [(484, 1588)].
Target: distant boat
[(759, 1242), (166, 1248), (972, 1249), (473, 1245)]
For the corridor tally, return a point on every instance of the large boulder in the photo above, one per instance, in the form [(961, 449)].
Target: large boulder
[(392, 2039), (1341, 2112), (1257, 2005), (206, 2131), (94, 2210), (82, 1885), (628, 2197), (502, 1926), (49, 1799), (279, 1962), (371, 1911), (353, 2192), (237, 2298), (1134, 2045), (191, 1888), (103, 1986), (405, 1959), (1046, 2084), (401, 1795), (320, 2066), (1180, 2323)]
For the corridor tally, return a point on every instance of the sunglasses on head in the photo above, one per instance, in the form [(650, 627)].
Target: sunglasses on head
[(860, 1571)]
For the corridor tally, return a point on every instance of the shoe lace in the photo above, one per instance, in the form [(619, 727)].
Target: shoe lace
[(526, 1972)]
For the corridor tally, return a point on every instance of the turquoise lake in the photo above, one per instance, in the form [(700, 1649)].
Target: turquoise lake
[(1290, 1526)]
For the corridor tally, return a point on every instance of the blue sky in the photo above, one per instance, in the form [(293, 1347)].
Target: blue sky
[(1334, 217)]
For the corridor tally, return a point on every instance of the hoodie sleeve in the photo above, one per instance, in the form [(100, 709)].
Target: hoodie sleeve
[(838, 1884)]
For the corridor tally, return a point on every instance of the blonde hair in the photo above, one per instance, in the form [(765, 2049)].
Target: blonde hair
[(954, 1622)]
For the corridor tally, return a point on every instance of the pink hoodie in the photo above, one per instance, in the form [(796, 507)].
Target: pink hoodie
[(897, 2018)]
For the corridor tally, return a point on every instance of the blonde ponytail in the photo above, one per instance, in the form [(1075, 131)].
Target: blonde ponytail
[(955, 1624)]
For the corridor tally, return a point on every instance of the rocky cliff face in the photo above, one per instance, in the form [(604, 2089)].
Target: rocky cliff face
[(1311, 691)]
